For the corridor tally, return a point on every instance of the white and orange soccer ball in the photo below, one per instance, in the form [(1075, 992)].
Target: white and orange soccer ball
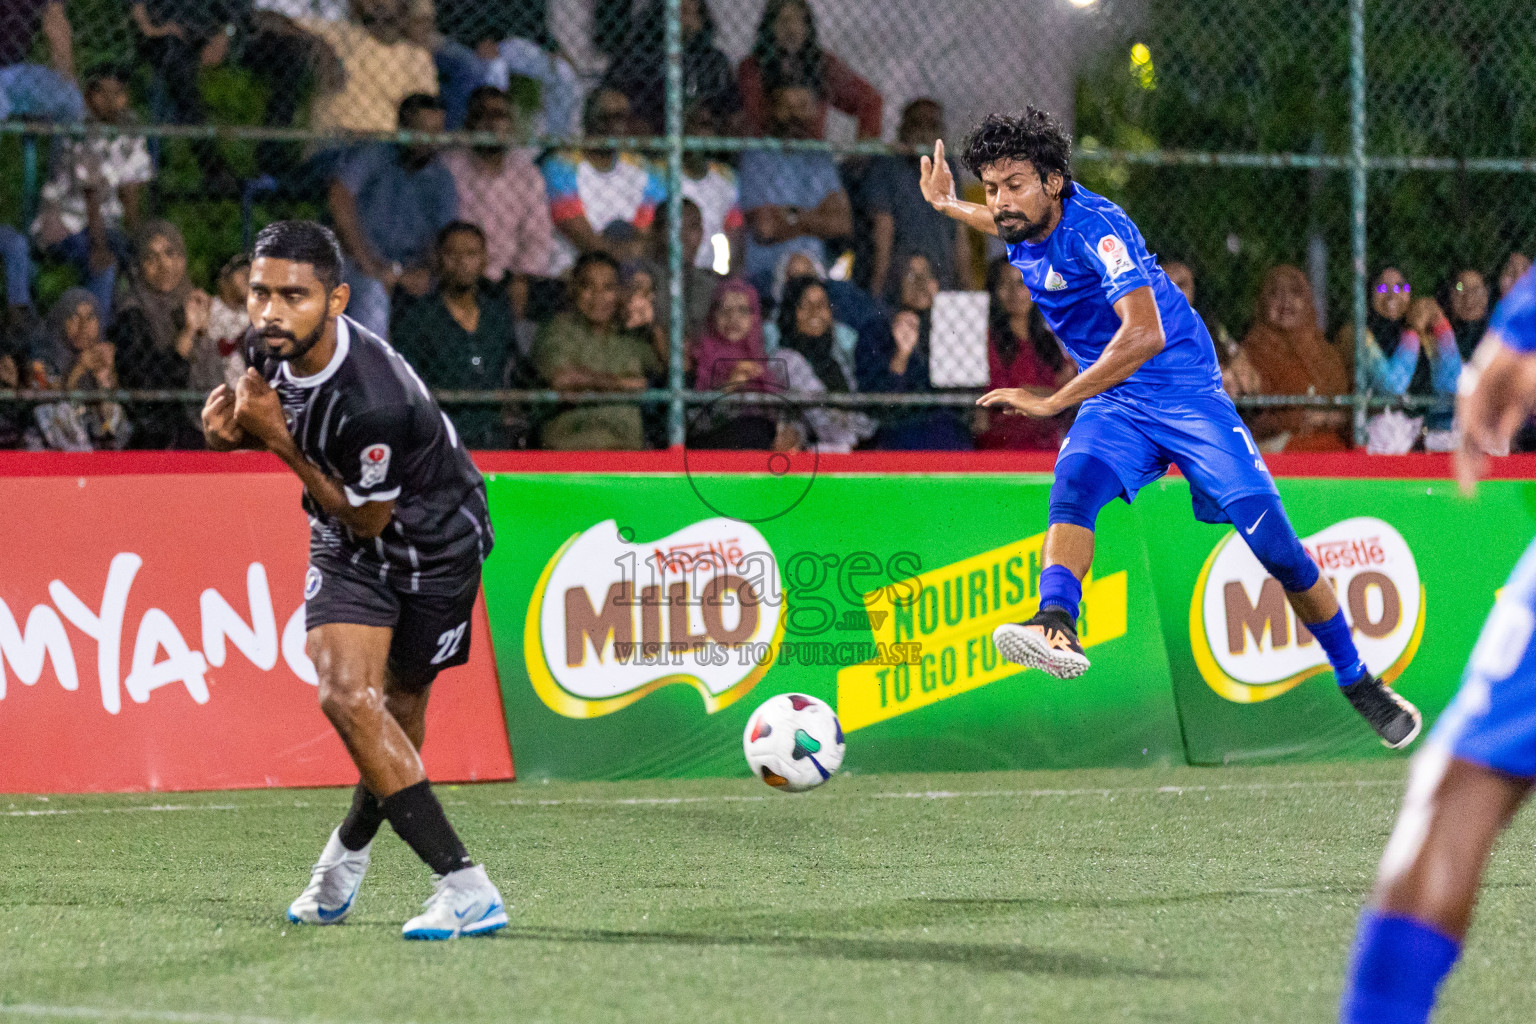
[(793, 742)]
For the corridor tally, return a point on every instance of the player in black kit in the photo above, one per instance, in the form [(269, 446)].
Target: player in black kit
[(398, 530)]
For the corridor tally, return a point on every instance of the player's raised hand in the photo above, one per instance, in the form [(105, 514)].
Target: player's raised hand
[(1019, 402), (259, 411), (219, 425), (935, 179)]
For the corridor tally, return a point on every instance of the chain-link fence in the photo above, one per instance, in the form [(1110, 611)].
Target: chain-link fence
[(634, 223)]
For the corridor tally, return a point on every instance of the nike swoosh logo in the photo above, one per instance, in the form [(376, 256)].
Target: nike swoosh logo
[(1256, 523)]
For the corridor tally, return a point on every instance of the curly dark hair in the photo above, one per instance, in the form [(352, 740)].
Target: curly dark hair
[(1034, 135)]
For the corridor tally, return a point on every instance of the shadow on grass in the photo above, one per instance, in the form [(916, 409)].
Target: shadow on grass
[(996, 957)]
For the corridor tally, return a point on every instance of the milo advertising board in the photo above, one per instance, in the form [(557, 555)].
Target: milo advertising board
[(638, 620)]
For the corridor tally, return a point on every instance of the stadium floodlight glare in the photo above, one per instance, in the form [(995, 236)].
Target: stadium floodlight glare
[(1081, 4)]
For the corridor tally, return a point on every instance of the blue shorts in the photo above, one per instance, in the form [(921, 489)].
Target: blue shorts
[(1200, 433), (1492, 721)]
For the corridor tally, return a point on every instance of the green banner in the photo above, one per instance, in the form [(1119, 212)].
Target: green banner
[(638, 620), (1415, 565)]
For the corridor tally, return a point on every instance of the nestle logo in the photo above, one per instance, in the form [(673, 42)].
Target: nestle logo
[(1349, 553)]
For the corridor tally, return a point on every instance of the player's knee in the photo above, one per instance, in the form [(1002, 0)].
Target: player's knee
[(346, 696), (1083, 486)]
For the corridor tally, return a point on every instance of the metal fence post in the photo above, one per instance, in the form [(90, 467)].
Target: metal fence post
[(675, 262), (1357, 183)]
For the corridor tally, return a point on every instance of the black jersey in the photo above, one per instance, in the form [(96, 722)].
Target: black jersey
[(369, 421)]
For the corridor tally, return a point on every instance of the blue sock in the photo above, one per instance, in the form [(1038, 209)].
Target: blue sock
[(1340, 647), (1059, 587), (1395, 968)]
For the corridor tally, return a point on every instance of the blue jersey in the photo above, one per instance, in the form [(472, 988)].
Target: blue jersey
[(1514, 319), (1094, 258)]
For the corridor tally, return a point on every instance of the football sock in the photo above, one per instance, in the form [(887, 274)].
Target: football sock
[(1395, 969), (1334, 635), (362, 821), (419, 819), (1060, 588)]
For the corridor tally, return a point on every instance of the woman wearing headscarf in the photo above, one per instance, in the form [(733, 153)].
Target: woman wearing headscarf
[(1021, 353), (814, 362), (70, 355), (786, 49), (155, 328), (729, 356), (1293, 358)]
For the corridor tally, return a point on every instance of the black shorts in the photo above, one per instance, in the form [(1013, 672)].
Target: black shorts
[(431, 630)]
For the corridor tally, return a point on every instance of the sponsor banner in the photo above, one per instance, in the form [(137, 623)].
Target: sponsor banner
[(638, 620), (1415, 567), (152, 638)]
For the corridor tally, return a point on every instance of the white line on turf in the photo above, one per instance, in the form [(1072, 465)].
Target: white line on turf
[(128, 1013)]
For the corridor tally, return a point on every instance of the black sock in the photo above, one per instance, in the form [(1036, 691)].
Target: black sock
[(362, 821), (419, 819)]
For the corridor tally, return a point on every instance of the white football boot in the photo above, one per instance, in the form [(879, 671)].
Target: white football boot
[(464, 903), (333, 885)]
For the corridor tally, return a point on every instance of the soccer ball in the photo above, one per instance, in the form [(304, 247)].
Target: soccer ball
[(793, 742)]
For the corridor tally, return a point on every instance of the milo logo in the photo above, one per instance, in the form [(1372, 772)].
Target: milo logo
[(611, 620), (1247, 642)]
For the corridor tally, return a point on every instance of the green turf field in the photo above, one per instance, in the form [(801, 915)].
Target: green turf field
[(1215, 895)]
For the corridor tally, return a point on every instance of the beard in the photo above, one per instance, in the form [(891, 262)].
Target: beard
[(301, 347), (1018, 228)]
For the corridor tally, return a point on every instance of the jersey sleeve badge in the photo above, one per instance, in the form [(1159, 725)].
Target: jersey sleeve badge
[(1114, 255), (375, 465)]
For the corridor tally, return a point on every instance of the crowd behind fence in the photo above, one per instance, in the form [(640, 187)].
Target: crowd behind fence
[(634, 223)]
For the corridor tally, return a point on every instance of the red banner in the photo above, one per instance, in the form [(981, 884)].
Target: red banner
[(152, 638)]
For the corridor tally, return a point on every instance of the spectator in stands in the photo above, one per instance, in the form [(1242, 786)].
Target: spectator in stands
[(288, 60), (793, 201), (1293, 358), (1238, 377), (1021, 353), (814, 359), (851, 304), (640, 69), (904, 224), (388, 202), (501, 190), (1514, 269), (586, 349), (698, 282), (893, 356), (486, 44), (1397, 332), (16, 255), (461, 335), (178, 38), (219, 356), (711, 184), (590, 189), (155, 329), (36, 91), (786, 51), (70, 355), (1467, 299), (94, 192), (729, 356)]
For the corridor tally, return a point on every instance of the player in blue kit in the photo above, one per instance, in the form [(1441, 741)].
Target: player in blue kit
[(1477, 766), (1150, 391)]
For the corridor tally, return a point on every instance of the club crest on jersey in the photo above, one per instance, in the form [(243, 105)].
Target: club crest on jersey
[(1054, 282), (375, 462), (312, 580), (1114, 255)]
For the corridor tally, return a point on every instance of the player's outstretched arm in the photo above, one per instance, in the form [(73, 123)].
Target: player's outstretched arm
[(938, 187), (1498, 388), (1139, 338)]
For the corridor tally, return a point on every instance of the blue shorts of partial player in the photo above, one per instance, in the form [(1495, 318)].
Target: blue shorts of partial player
[(1200, 432), (1492, 721)]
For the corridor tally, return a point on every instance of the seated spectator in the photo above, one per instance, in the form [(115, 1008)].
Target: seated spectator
[(893, 357), (903, 223), (586, 349), (640, 69), (37, 92), (178, 38), (814, 361), (155, 330), (1293, 358), (1395, 363), (487, 44), (219, 356), (590, 189), (851, 304), (786, 50), (501, 190), (729, 356), (711, 185), (1467, 300), (461, 335), (1514, 269), (70, 355), (698, 282), (793, 201), (1021, 353), (560, 89), (94, 192), (1238, 377), (388, 202)]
